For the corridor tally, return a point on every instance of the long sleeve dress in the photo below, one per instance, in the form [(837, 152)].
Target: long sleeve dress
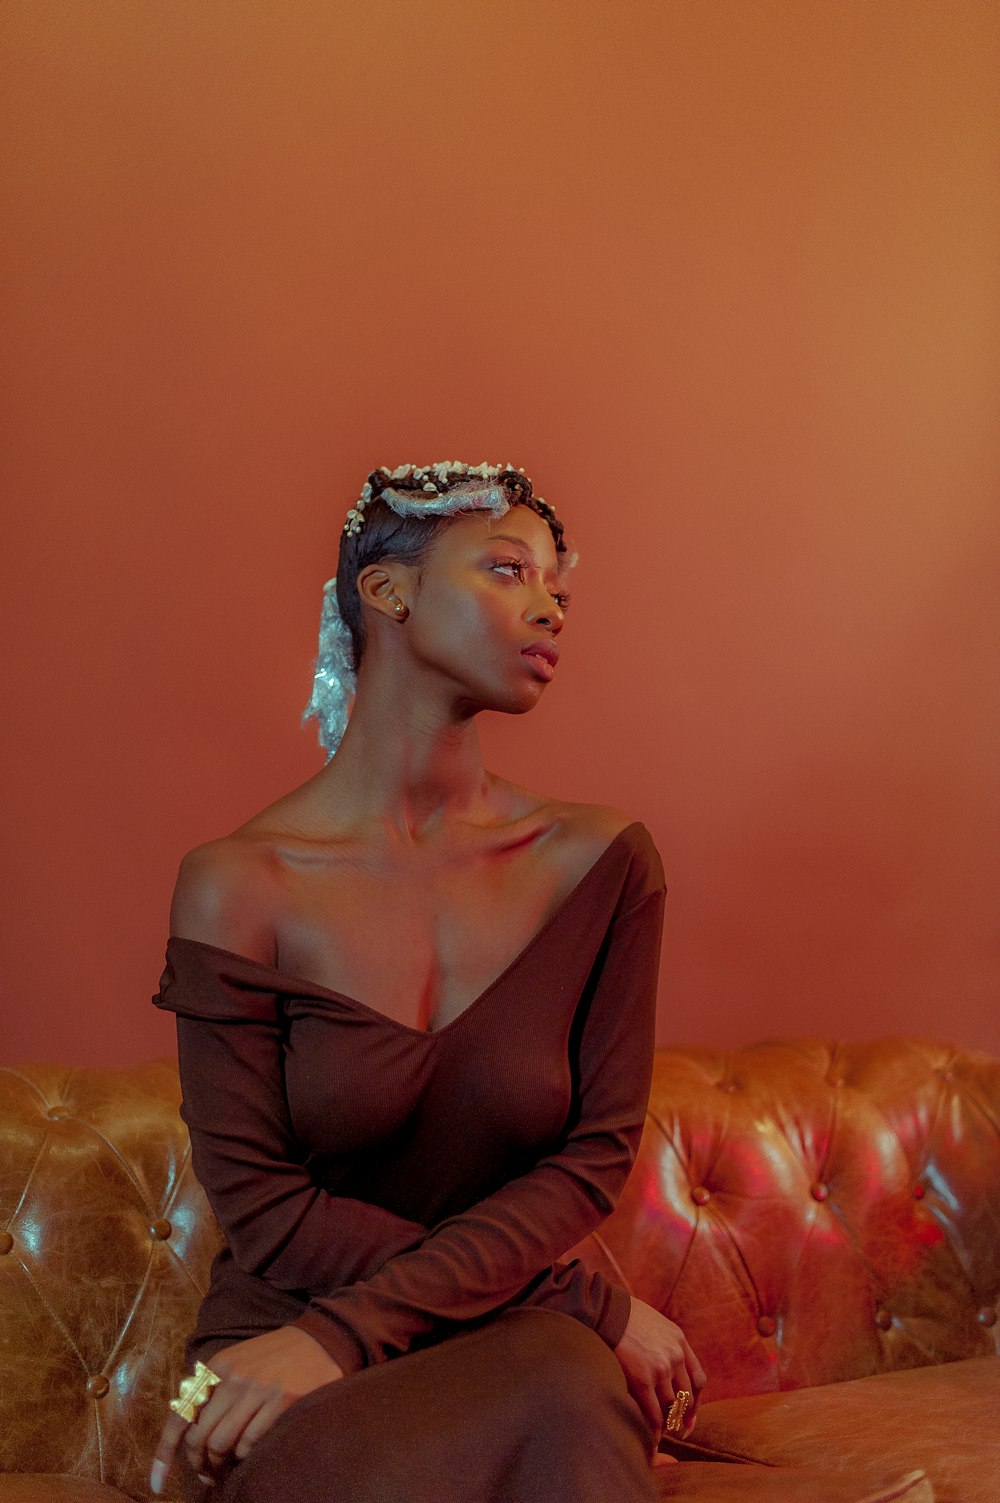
[(389, 1189)]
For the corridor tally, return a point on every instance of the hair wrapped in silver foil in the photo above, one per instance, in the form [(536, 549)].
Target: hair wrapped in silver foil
[(335, 680), (466, 496)]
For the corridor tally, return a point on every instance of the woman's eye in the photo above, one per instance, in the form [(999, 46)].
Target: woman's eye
[(562, 601)]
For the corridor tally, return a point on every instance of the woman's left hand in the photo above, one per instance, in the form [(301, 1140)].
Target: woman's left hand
[(659, 1364), (261, 1378)]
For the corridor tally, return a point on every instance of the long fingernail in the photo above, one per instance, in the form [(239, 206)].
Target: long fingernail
[(157, 1475)]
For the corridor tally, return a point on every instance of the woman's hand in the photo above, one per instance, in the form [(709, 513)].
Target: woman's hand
[(658, 1363), (261, 1378)]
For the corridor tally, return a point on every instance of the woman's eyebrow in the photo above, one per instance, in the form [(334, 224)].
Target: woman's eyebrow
[(506, 537)]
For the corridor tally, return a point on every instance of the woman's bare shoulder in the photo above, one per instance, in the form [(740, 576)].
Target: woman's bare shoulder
[(224, 896), (594, 826), (599, 825), (589, 827)]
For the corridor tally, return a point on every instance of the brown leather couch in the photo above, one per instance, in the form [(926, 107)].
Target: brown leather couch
[(823, 1220)]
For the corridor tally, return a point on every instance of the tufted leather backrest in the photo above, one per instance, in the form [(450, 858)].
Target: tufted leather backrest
[(805, 1211), (106, 1240), (809, 1212)]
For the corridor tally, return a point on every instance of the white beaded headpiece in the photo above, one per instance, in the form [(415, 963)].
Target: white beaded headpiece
[(433, 500), (447, 487)]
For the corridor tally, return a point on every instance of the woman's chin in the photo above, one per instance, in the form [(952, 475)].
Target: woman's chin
[(516, 702), (507, 695), (525, 699)]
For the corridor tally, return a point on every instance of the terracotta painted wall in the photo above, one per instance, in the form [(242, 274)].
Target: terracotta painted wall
[(723, 279)]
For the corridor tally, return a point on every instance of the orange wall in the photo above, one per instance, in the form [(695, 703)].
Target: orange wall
[(722, 277)]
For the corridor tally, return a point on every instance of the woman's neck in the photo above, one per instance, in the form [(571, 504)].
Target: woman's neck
[(409, 769)]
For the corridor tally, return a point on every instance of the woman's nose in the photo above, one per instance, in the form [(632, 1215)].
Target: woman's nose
[(548, 614)]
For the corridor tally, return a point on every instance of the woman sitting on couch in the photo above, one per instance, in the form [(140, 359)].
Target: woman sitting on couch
[(415, 1023)]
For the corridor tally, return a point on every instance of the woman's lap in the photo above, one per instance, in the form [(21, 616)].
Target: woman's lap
[(531, 1407)]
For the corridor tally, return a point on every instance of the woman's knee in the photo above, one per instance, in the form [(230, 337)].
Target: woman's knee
[(557, 1354), (574, 1397)]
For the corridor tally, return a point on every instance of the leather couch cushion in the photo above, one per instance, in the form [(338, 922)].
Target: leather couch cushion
[(942, 1419), (721, 1482), (50, 1487)]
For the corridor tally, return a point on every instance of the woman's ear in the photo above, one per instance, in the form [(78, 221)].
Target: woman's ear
[(380, 589)]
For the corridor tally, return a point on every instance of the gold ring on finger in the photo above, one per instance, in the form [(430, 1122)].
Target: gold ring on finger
[(194, 1390), (677, 1411)]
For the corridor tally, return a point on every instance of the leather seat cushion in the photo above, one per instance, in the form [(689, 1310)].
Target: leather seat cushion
[(52, 1487), (722, 1482), (942, 1419)]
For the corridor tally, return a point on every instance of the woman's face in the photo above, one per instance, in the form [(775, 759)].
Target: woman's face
[(490, 589)]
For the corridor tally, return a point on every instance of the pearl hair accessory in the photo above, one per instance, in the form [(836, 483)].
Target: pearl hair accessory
[(433, 499), (445, 489)]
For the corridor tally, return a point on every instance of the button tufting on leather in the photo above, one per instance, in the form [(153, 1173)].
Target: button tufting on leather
[(700, 1195), (819, 1191), (986, 1316), (6, 1242), (883, 1320), (98, 1386), (160, 1228), (56, 1113), (766, 1326)]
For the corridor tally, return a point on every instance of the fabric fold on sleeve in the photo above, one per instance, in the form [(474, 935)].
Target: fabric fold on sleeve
[(587, 1295), (481, 1259)]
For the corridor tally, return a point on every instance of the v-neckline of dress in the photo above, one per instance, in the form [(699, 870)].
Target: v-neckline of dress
[(310, 987)]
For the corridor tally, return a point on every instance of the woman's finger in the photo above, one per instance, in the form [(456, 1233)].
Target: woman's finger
[(166, 1447), (663, 1458), (694, 1367), (221, 1441), (645, 1396), (698, 1381), (224, 1399), (259, 1424)]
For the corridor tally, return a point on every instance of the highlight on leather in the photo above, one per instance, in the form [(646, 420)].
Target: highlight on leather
[(811, 1211)]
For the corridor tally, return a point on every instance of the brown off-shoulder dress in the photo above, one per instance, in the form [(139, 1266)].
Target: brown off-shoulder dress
[(406, 1197)]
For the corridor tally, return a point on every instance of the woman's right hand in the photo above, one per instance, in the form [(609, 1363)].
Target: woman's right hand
[(658, 1363), (260, 1378)]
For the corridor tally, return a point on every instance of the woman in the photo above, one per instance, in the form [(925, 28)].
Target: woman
[(415, 1031)]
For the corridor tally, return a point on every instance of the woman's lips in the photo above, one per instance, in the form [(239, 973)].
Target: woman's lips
[(539, 665)]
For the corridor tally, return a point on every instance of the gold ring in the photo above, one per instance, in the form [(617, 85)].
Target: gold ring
[(194, 1390), (677, 1411)]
